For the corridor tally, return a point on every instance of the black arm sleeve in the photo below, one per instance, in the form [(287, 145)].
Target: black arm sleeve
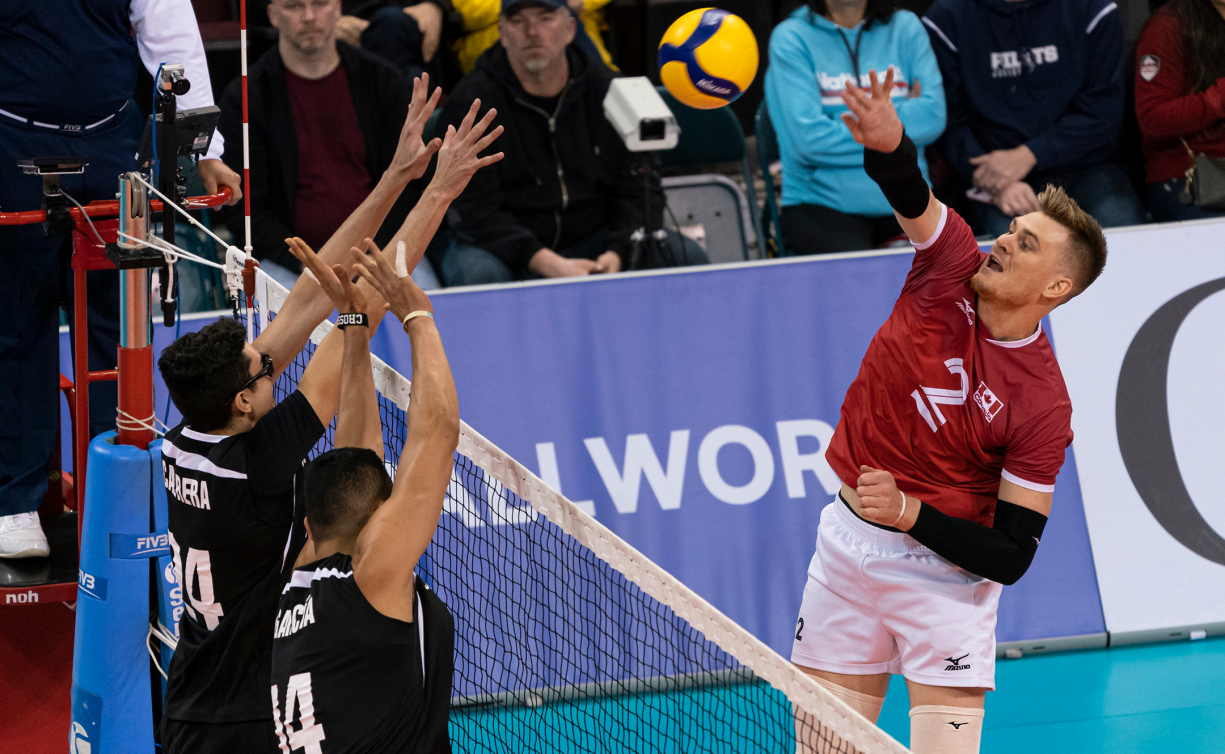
[(1001, 553), (898, 175)]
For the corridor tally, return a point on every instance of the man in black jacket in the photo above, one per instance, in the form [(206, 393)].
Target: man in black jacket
[(565, 200), (325, 118)]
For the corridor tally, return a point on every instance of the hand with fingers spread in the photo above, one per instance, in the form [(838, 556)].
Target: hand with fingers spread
[(881, 502), (459, 158), (873, 120), (412, 156), (334, 280), (402, 294)]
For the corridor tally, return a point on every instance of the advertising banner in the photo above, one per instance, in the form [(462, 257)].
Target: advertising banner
[(1143, 354)]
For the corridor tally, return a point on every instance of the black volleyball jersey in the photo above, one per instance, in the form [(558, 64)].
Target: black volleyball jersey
[(348, 679), (235, 529)]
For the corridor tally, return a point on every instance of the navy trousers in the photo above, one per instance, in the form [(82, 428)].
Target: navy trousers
[(36, 279)]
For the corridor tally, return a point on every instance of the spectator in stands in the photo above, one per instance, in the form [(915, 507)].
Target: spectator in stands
[(480, 20), (406, 34), (565, 200), (829, 202), (1180, 99), (325, 118), (1035, 96)]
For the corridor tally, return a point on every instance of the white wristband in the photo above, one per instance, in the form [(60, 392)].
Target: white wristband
[(413, 315), (903, 513)]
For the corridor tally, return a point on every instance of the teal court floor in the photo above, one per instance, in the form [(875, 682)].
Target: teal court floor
[(1150, 698), (1153, 698)]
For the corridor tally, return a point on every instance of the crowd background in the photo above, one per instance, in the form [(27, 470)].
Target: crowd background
[(1110, 100)]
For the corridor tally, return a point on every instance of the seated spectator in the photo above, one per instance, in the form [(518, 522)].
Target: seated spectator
[(1180, 100), (1035, 96), (829, 203), (325, 118), (480, 29), (565, 200), (406, 34)]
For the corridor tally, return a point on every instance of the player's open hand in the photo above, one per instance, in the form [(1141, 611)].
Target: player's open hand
[(873, 120), (460, 157), (412, 156), (401, 292), (880, 501), (334, 280)]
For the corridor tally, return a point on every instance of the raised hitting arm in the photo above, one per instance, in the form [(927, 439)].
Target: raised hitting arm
[(397, 534), (307, 304), (890, 157)]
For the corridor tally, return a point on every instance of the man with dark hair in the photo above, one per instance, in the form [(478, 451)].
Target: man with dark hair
[(362, 649), (232, 467), (567, 200), (950, 440)]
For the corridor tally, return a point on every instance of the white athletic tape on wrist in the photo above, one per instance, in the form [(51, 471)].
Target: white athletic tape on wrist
[(401, 267), (903, 513)]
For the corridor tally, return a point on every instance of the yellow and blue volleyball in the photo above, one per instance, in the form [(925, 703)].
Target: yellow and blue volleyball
[(707, 58)]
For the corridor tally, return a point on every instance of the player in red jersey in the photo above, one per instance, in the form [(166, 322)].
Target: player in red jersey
[(949, 443)]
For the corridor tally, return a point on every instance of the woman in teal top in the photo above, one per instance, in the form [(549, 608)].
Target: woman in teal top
[(829, 203)]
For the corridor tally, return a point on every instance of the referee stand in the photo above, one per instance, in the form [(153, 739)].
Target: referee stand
[(115, 516)]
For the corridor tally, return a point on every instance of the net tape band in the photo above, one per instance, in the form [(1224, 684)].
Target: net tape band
[(653, 580)]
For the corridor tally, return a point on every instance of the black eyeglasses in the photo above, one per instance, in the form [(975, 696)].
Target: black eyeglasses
[(265, 370)]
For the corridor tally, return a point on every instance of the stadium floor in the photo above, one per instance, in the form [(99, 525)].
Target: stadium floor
[(1146, 698)]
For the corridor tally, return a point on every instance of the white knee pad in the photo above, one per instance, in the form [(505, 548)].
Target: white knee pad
[(945, 730), (864, 704)]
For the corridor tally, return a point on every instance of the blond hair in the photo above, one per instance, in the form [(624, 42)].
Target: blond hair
[(1086, 243)]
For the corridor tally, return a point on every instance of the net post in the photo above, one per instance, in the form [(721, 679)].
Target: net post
[(135, 363)]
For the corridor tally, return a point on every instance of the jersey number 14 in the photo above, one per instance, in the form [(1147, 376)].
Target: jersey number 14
[(298, 695), (942, 396)]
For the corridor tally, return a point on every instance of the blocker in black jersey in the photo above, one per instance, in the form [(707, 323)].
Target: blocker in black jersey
[(347, 679), (233, 512)]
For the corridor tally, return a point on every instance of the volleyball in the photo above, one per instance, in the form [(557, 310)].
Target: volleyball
[(707, 58)]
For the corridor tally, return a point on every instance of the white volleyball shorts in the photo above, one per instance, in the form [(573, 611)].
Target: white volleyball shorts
[(877, 601)]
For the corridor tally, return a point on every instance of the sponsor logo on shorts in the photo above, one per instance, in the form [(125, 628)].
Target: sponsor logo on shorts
[(1149, 66), (955, 663), (987, 401)]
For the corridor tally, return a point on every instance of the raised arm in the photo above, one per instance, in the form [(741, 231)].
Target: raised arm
[(890, 157), (307, 304), (399, 531)]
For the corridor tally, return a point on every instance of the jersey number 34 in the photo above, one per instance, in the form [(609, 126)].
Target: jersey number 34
[(195, 569), (942, 396)]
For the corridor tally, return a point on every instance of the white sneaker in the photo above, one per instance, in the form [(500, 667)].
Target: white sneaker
[(21, 536)]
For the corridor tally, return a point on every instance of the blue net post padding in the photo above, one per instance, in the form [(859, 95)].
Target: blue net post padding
[(112, 708), (169, 593)]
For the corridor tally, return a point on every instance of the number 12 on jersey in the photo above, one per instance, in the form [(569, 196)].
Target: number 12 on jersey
[(942, 396), (298, 695)]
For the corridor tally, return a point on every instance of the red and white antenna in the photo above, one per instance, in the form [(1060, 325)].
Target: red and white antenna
[(246, 139)]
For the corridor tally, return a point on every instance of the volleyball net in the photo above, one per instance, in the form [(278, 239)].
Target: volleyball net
[(569, 639)]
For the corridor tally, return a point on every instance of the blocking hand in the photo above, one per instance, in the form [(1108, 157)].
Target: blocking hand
[(334, 280), (459, 158), (873, 120), (412, 156), (402, 294)]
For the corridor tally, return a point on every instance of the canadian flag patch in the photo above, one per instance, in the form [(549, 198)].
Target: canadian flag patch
[(987, 401)]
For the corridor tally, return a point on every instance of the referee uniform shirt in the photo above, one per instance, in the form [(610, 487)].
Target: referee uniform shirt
[(235, 528), (67, 73), (348, 679)]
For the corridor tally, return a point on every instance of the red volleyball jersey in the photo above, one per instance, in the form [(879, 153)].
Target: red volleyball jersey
[(943, 407)]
